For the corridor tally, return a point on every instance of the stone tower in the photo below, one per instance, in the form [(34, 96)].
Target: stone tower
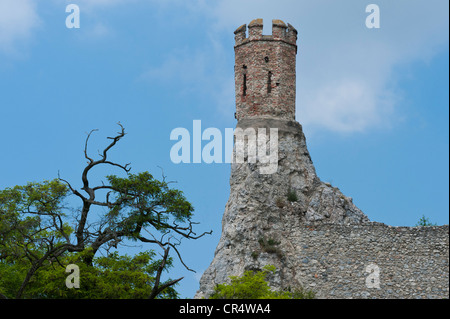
[(259, 208), (265, 71)]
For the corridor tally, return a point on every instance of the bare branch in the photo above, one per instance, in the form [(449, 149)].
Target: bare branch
[(179, 230), (90, 191), (181, 259), (115, 140), (157, 289), (103, 187), (126, 168), (164, 176), (86, 145), (74, 191), (162, 245)]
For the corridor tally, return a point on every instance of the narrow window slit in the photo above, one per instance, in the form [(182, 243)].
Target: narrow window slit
[(269, 82), (244, 93), (244, 85)]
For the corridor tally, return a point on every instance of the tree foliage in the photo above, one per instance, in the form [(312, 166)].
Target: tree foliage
[(112, 276), (253, 285), (40, 234)]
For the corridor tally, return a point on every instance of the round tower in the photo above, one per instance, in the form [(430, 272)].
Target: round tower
[(261, 182), (265, 71)]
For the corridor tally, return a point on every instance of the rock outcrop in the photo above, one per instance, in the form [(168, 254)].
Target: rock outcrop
[(265, 210)]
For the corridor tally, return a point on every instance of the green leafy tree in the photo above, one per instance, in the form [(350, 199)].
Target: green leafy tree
[(112, 276), (39, 230), (253, 285)]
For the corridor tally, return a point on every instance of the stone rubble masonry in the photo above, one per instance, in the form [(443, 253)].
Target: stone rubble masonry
[(320, 241), (331, 259)]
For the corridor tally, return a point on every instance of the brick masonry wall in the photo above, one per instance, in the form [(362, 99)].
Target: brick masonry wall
[(265, 71)]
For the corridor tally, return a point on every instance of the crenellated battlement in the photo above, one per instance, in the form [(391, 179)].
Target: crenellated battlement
[(265, 71), (280, 32)]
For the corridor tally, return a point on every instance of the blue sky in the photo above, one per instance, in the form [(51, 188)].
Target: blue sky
[(374, 103)]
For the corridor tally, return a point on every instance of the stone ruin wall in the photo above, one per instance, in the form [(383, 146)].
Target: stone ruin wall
[(335, 261)]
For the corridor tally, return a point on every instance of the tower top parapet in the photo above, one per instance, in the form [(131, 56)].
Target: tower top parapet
[(280, 32)]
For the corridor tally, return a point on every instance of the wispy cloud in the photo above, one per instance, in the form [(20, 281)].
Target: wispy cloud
[(198, 70), (90, 5), (18, 20)]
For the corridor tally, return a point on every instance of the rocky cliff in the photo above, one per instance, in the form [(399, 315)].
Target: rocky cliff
[(271, 208)]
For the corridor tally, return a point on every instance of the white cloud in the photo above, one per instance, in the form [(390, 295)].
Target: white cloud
[(346, 106), (18, 20)]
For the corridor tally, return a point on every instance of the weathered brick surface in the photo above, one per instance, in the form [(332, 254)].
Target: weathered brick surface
[(265, 71)]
